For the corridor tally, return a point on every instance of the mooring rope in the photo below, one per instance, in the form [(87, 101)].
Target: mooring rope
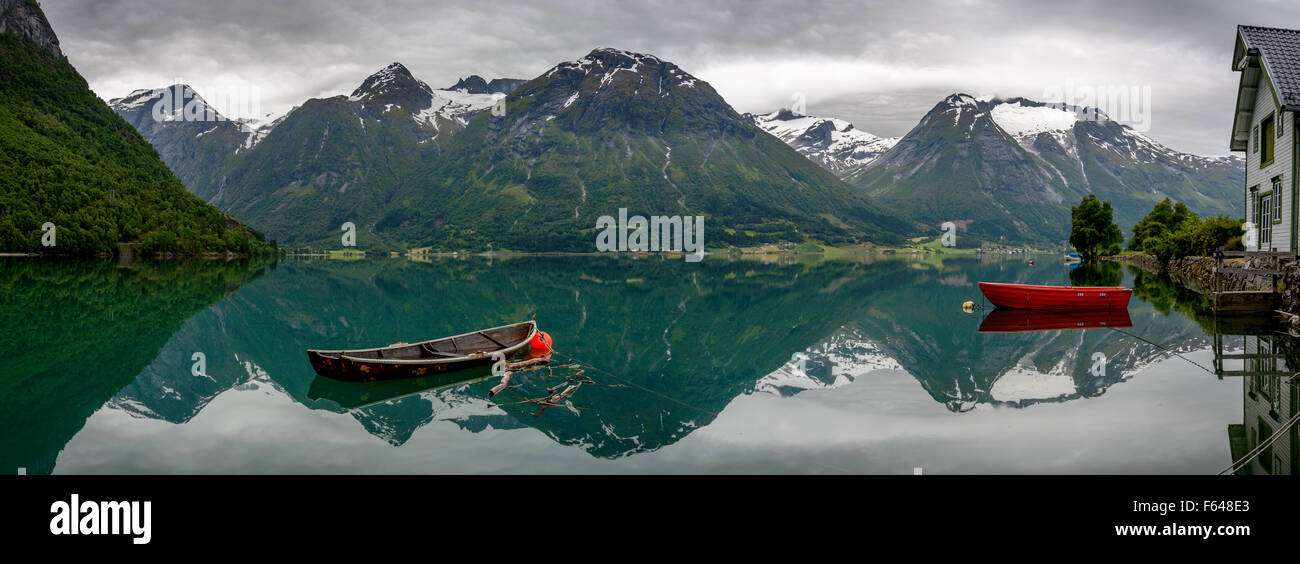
[(1164, 348), (572, 359), (1279, 433)]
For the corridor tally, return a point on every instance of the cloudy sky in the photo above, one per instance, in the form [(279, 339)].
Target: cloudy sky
[(881, 65)]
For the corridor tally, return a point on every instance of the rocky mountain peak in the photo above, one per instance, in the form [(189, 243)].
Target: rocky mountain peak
[(960, 99), (394, 84), (621, 58), (24, 18), (475, 84), (472, 84), (821, 131), (181, 103), (597, 90)]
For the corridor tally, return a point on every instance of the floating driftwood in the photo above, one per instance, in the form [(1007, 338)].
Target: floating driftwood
[(526, 363), (505, 381)]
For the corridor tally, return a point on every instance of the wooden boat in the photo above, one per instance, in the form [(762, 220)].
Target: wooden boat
[(403, 360), (1028, 296), (1003, 320)]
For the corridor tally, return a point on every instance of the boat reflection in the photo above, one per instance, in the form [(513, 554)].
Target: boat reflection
[(358, 395), (1027, 320)]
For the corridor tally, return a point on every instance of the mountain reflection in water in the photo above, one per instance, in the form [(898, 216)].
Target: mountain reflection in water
[(688, 348)]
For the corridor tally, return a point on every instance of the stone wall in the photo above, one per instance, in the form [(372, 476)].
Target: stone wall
[(1197, 273)]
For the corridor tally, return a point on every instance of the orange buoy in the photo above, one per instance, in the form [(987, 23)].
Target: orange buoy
[(541, 343)]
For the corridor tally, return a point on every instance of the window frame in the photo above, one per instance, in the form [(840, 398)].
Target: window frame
[(1254, 205), (1267, 143), (1277, 199), (1266, 221)]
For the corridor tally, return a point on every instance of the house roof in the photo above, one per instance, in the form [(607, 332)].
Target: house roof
[(1269, 58), (1279, 49)]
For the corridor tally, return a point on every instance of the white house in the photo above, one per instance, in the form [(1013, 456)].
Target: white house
[(1268, 99)]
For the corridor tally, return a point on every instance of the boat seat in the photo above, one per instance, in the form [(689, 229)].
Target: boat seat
[(428, 349)]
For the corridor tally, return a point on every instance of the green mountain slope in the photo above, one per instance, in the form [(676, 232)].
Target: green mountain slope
[(413, 166), (67, 159), (624, 130), (197, 150), (300, 176)]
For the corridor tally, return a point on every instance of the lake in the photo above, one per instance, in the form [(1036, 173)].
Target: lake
[(722, 366)]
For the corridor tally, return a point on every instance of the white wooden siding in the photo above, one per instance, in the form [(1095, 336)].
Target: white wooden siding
[(1260, 407), (1282, 152)]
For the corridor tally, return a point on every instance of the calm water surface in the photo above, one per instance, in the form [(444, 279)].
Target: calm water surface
[(720, 366)]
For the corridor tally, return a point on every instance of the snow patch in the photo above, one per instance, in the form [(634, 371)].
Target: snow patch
[(847, 147), (258, 128), (1020, 121)]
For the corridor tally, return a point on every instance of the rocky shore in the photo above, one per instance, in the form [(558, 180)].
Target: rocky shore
[(1197, 273)]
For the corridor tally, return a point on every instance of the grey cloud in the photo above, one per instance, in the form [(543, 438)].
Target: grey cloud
[(296, 49)]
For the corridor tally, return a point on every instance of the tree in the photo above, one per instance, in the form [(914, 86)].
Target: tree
[(1165, 218), (1171, 231), (1092, 228)]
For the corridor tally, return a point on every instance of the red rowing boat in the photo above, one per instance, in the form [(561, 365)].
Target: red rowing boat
[(1028, 296), (1003, 320)]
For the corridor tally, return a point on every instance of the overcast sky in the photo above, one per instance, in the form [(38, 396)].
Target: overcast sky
[(881, 65)]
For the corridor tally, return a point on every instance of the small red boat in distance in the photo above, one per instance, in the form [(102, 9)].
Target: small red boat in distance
[(1028, 296)]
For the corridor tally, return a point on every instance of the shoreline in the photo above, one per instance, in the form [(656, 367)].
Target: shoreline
[(355, 255), (1198, 274), (159, 256)]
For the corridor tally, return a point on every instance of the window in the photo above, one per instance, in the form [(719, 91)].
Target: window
[(1266, 141), (1266, 363), (1266, 221), (1277, 199), (1253, 203), (1273, 389), (1265, 456), (1254, 140)]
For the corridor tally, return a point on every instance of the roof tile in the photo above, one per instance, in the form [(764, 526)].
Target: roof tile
[(1280, 49)]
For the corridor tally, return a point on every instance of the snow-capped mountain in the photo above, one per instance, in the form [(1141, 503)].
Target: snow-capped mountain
[(186, 104), (193, 138), (832, 143), (185, 113), (621, 129), (1027, 120), (395, 86), (1010, 169), (366, 144), (198, 143), (369, 152)]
